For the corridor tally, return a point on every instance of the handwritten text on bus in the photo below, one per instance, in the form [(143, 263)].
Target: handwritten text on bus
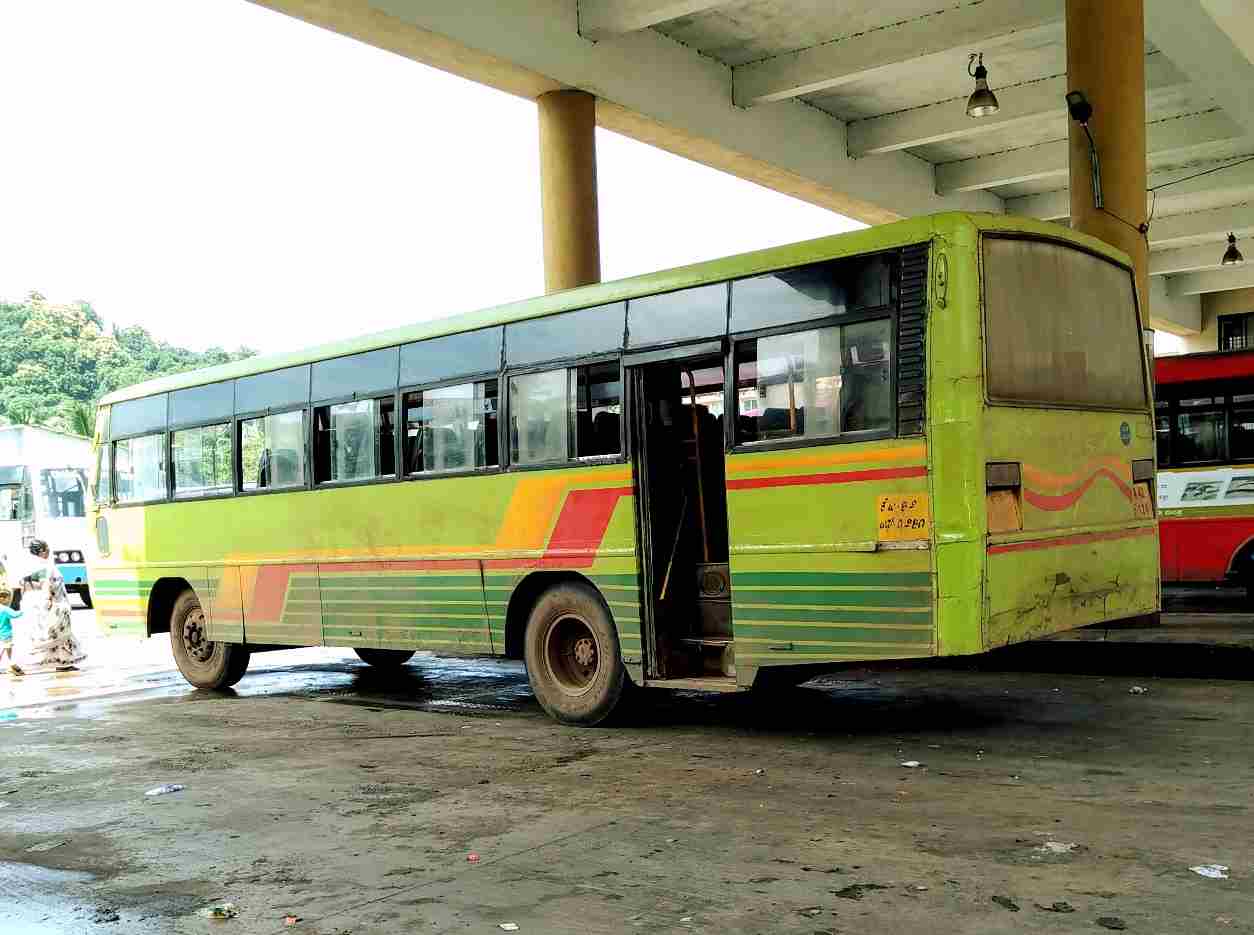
[(903, 517)]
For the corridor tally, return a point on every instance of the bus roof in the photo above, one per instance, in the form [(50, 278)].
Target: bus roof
[(1208, 365), (869, 240)]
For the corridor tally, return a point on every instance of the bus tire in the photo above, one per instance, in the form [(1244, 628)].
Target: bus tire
[(385, 658), (574, 662), (203, 662), (85, 596)]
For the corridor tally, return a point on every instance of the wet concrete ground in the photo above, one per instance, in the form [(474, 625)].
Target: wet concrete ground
[(352, 799)]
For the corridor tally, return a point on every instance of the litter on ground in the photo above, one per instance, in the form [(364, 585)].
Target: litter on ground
[(1211, 871), (221, 911), (45, 846), (1057, 847), (166, 789)]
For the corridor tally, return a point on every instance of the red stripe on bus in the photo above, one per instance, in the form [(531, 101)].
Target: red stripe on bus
[(423, 564), (1216, 365), (1054, 502), (1079, 539), (270, 592), (843, 477)]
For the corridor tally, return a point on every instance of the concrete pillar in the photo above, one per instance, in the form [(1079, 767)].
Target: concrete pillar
[(568, 189), (1106, 60)]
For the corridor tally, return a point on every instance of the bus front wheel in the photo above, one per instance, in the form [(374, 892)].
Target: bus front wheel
[(385, 658), (573, 658), (204, 662)]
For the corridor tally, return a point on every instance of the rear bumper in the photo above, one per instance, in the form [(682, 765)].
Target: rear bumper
[(1071, 578)]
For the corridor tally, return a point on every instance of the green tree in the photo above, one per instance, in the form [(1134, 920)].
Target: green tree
[(57, 360)]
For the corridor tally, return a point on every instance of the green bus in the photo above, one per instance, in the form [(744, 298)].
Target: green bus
[(928, 438)]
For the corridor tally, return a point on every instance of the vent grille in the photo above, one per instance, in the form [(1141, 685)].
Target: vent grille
[(912, 341)]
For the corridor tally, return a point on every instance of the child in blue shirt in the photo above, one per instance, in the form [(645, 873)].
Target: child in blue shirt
[(7, 616)]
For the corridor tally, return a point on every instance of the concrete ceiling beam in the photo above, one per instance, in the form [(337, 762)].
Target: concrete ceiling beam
[(1023, 104), (650, 88), (1201, 45), (1237, 183), (1181, 230), (1164, 139), (1187, 259), (1212, 280), (879, 52), (603, 19)]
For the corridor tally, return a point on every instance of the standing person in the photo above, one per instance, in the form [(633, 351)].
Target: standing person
[(7, 616), (53, 636)]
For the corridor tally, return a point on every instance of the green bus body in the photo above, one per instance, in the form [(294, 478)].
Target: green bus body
[(820, 571)]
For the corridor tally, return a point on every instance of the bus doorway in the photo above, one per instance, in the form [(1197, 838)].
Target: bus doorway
[(678, 445)]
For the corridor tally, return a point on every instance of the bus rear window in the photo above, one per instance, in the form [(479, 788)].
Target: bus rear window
[(1061, 327)]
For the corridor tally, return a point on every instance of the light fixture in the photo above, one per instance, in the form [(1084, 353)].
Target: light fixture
[(982, 102), (1081, 112), (1232, 256)]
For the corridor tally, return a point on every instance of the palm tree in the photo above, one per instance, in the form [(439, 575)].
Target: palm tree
[(80, 418)]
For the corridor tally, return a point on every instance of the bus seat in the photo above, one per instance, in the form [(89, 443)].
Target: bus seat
[(605, 429)]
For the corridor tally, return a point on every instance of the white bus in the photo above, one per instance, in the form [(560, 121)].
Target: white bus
[(43, 495)]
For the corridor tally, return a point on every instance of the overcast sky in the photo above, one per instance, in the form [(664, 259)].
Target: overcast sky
[(223, 174)]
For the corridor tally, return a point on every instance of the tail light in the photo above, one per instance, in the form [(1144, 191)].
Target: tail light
[(1143, 488)]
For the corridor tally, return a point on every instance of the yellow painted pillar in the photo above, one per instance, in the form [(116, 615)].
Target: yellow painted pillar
[(1106, 60), (568, 189)]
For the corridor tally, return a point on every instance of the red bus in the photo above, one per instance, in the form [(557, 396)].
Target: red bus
[(1204, 420)]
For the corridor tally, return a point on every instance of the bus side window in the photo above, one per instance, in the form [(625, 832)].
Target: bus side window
[(818, 383), (104, 473), (140, 464), (202, 461), (539, 417), (598, 409), (272, 451), (355, 440), (451, 428)]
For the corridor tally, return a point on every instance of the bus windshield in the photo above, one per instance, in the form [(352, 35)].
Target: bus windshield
[(64, 491), (1061, 327)]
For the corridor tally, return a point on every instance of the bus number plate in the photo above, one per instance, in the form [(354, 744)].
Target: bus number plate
[(1142, 501), (903, 517)]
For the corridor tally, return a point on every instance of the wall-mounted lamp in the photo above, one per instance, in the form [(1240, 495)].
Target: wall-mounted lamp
[(1081, 112), (1232, 256), (982, 102)]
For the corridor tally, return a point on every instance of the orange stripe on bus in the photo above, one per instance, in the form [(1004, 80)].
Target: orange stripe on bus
[(841, 477), (1038, 477), (750, 464), (1063, 501)]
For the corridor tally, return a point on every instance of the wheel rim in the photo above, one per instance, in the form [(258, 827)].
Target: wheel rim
[(198, 646), (571, 654)]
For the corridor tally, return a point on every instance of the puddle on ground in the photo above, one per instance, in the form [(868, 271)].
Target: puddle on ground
[(38, 900)]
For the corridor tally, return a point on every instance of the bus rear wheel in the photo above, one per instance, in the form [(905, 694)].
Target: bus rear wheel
[(204, 662), (574, 662), (385, 658)]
